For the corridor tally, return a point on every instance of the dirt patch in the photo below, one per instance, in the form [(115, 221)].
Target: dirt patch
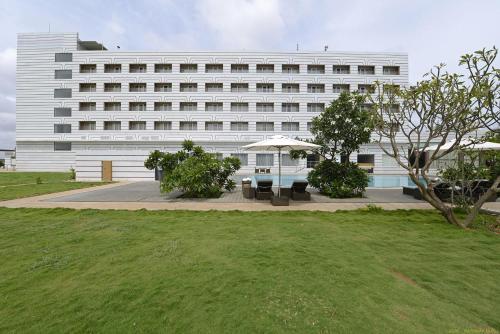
[(403, 277)]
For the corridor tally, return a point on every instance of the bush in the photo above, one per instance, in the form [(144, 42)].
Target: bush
[(338, 180), (39, 180), (72, 174), (193, 171)]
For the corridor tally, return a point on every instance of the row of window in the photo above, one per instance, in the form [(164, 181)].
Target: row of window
[(135, 87), (235, 68), (192, 106), (183, 126)]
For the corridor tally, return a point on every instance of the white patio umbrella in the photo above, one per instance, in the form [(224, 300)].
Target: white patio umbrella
[(468, 144), (280, 143)]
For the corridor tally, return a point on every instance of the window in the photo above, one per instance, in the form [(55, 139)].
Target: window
[(312, 160), (189, 68), (315, 88), (315, 107), (264, 107), (62, 93), (62, 112), (63, 74), (290, 107), (242, 156), (239, 126), (113, 87), (239, 106), (163, 68), (88, 68), (239, 68), (112, 68), (213, 126), (264, 159), (63, 57), (391, 88), (87, 87), (265, 68), (264, 126), (188, 126), (62, 146), (163, 87), (290, 88), (341, 69), (289, 68), (286, 160), (391, 70), (213, 87), (188, 87), (136, 87), (290, 126), (366, 89), (62, 128), (316, 69), (213, 106), (265, 88), (163, 125), (366, 161), (112, 106), (239, 87), (366, 69), (163, 106), (340, 88), (188, 106), (309, 126), (112, 125), (214, 68), (137, 106), (86, 125), (137, 125), (137, 68), (87, 106)]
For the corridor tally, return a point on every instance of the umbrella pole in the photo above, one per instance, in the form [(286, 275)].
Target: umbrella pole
[(279, 172)]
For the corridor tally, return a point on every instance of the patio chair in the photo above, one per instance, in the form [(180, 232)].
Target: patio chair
[(412, 191), (299, 192), (480, 187), (264, 190), (443, 191)]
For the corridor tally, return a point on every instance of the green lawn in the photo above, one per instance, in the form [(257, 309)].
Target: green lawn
[(24, 184), (231, 272)]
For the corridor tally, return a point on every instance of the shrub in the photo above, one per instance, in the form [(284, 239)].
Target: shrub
[(338, 180), (38, 180), (72, 174), (193, 171)]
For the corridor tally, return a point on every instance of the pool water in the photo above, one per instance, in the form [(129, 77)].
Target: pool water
[(374, 181)]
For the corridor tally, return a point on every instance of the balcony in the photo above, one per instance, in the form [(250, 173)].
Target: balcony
[(189, 68), (137, 87), (137, 68), (163, 68), (239, 87), (214, 68), (366, 70), (188, 87), (113, 87), (337, 89), (213, 87), (315, 88), (341, 69), (391, 70), (316, 69), (163, 106), (87, 106), (163, 87), (137, 106), (290, 88), (265, 88), (239, 68), (87, 87), (88, 68), (265, 68), (290, 68), (112, 106), (112, 68)]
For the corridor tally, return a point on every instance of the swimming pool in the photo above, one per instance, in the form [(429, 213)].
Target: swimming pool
[(374, 181)]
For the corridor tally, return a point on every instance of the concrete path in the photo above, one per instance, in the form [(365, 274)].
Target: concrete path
[(146, 195)]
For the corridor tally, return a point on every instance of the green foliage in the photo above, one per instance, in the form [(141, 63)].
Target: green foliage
[(193, 171), (338, 180), (72, 174), (374, 208), (38, 180)]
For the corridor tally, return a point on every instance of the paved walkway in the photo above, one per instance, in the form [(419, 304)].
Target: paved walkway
[(146, 195)]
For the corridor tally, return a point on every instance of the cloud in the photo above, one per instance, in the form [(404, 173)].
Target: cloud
[(242, 24), (7, 97)]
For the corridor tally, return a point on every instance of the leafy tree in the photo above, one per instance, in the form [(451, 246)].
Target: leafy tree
[(193, 171), (441, 108), (340, 130)]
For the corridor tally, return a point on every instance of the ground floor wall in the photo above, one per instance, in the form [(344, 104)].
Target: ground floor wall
[(127, 159)]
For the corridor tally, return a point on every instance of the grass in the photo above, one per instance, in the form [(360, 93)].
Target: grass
[(231, 272), (24, 184)]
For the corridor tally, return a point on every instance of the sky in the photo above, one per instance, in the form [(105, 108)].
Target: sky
[(430, 31)]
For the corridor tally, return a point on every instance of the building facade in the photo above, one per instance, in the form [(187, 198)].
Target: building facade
[(84, 107)]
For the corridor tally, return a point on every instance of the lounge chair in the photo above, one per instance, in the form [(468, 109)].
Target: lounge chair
[(299, 192), (412, 191), (264, 190), (478, 189)]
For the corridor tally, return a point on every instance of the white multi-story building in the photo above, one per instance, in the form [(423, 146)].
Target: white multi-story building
[(82, 106)]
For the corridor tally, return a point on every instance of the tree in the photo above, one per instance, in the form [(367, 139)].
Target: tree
[(340, 130), (193, 171), (441, 108)]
